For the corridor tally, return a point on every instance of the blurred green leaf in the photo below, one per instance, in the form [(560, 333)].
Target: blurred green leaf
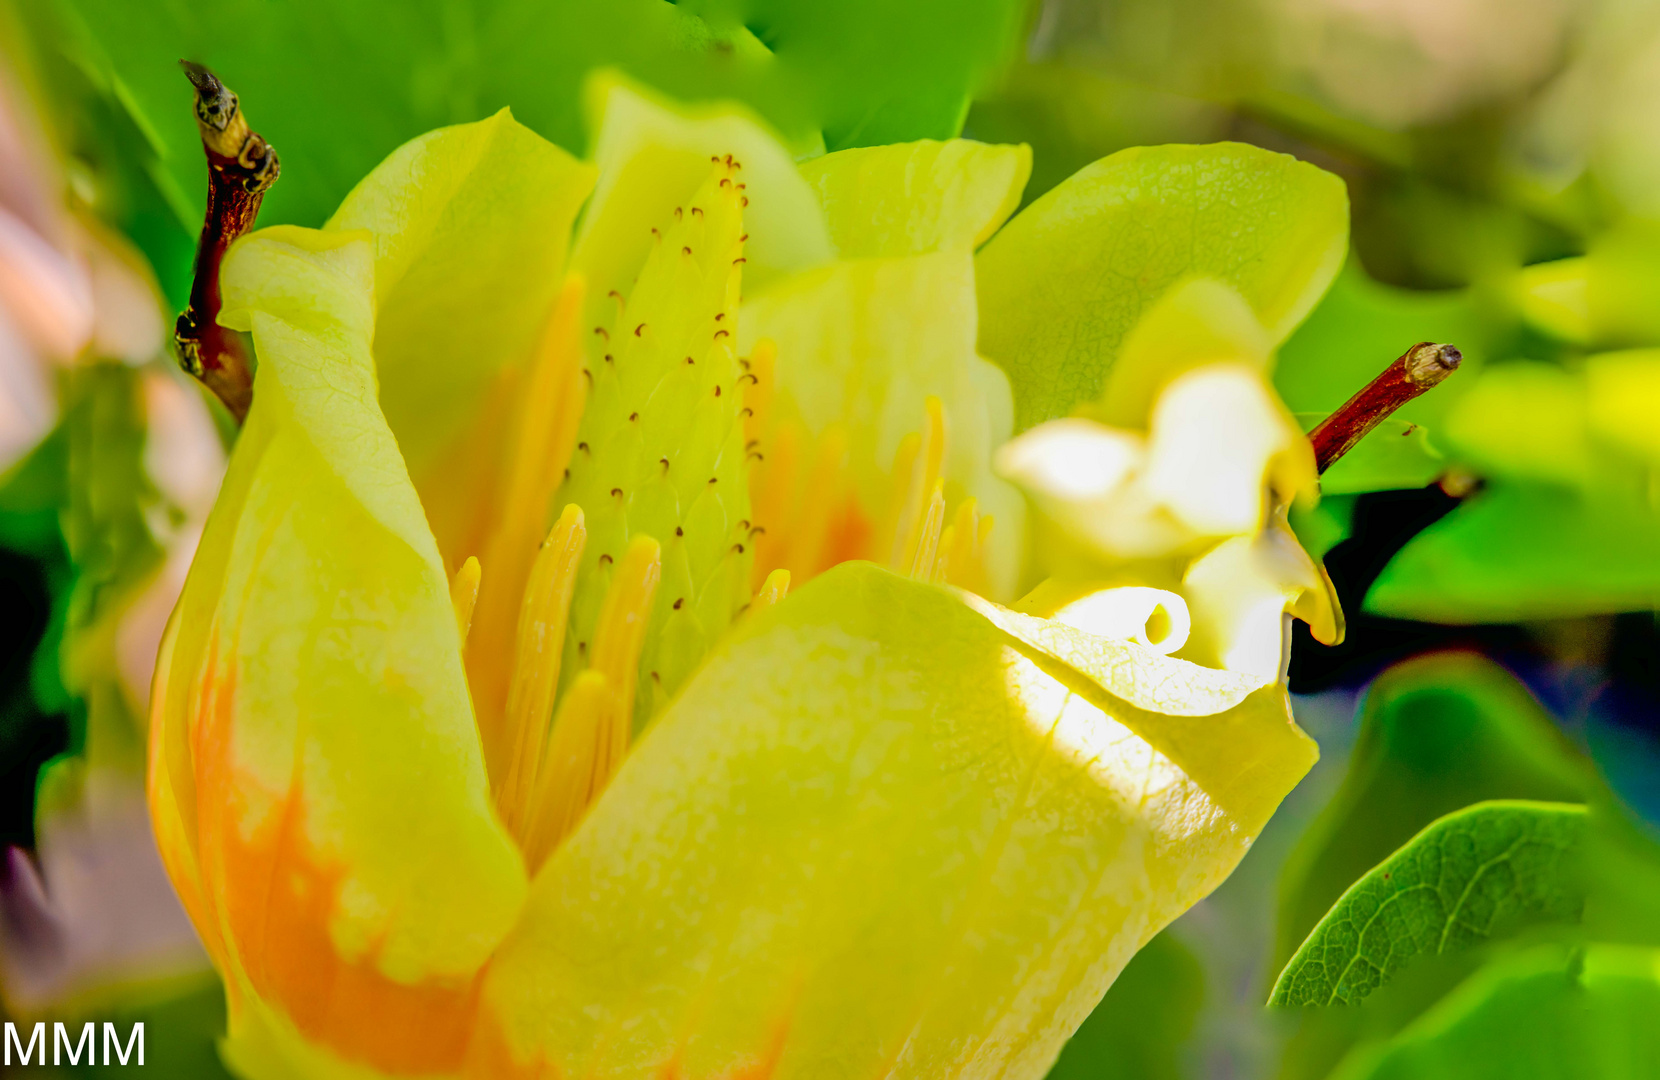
[(1526, 551), (183, 1019), (1536, 1016), (1396, 454), (1321, 527), (1477, 871), (335, 88), (1140, 1029), (1064, 282), (1436, 734)]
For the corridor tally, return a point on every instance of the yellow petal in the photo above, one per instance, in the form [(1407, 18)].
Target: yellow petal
[(314, 737), (885, 833), (919, 197)]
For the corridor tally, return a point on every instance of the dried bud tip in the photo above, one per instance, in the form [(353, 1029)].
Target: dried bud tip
[(1429, 363), (215, 104)]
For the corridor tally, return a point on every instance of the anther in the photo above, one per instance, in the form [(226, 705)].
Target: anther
[(633, 416), (582, 446), (722, 333), (678, 602), (600, 330), (605, 560), (617, 492), (678, 531), (638, 330), (717, 391), (685, 251), (737, 549), (739, 259), (664, 462), (698, 210)]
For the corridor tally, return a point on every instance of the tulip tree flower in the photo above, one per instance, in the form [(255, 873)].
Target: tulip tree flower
[(490, 738), (1179, 471)]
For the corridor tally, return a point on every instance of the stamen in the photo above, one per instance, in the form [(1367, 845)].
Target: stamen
[(774, 589), (578, 768), (555, 394), (922, 564), (539, 648), (464, 595), (962, 549), (922, 465), (596, 718)]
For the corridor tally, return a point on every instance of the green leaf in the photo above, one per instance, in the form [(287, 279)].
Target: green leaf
[(1537, 1016), (1468, 875), (1396, 454), (1067, 279), (1527, 551), (1435, 734), (335, 88), (1141, 1028)]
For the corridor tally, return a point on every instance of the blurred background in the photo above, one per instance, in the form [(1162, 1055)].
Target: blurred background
[(1500, 564)]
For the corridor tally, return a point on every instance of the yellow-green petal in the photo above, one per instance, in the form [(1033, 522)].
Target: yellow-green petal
[(863, 344), (1062, 283), (915, 198), (317, 735), (653, 156), (471, 226), (885, 833)]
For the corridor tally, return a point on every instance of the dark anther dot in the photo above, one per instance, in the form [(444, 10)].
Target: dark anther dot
[(746, 411), (615, 293), (759, 530), (725, 182), (752, 444), (590, 376), (746, 200), (715, 158), (582, 647), (737, 549), (633, 416), (722, 333), (717, 391), (655, 233), (664, 462), (656, 678), (600, 330), (712, 479), (739, 259), (743, 187), (605, 560), (756, 454), (698, 210), (727, 159), (751, 376), (685, 251), (582, 446), (679, 213), (638, 330), (719, 316), (678, 531), (678, 602), (689, 360), (617, 492), (743, 238), (743, 523), (743, 363), (609, 359), (567, 474)]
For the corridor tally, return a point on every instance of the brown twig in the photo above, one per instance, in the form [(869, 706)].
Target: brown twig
[(1419, 368), (241, 166)]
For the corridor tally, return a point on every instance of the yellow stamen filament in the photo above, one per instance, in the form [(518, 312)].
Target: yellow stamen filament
[(553, 399), (539, 647), (962, 548), (595, 721), (922, 563), (579, 765), (464, 595), (922, 462), (776, 587)]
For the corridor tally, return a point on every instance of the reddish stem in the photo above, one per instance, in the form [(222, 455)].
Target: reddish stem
[(1424, 365), (241, 166)]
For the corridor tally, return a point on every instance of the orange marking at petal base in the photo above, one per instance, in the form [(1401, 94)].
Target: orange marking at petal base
[(538, 651), (544, 438), (268, 902)]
